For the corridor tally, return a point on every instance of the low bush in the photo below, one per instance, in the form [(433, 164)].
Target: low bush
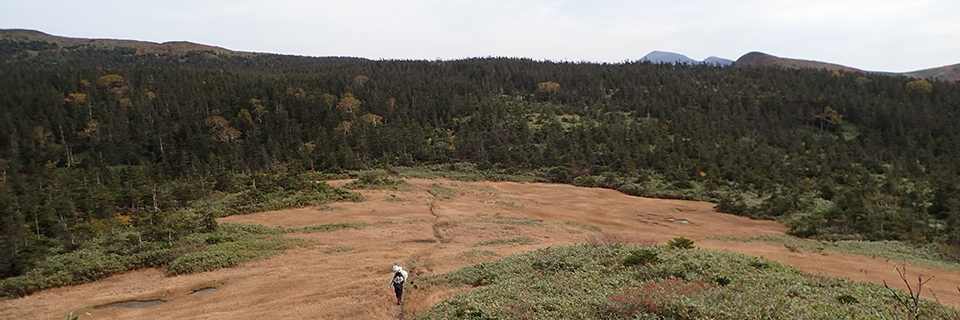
[(230, 245), (228, 254), (590, 282), (465, 171), (520, 240), (680, 243), (640, 257), (336, 226)]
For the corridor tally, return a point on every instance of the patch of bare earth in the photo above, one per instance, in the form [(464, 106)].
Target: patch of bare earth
[(434, 227)]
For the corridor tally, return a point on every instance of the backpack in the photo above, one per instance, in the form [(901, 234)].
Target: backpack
[(398, 278)]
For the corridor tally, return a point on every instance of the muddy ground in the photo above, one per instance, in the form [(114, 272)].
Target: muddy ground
[(435, 226)]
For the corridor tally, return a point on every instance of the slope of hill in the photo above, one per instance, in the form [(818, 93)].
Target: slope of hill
[(140, 47), (945, 73), (760, 59), (949, 73)]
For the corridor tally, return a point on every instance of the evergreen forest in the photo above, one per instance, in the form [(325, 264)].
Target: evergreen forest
[(110, 147)]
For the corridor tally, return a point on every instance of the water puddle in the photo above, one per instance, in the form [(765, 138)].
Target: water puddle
[(202, 291), (132, 304)]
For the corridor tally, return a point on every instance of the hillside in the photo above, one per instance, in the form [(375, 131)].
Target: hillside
[(436, 226), (758, 59), (135, 47), (945, 73)]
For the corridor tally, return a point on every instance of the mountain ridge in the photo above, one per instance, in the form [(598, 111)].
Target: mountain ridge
[(676, 58), (142, 47), (950, 73)]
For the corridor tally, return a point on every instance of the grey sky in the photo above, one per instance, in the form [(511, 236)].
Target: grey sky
[(878, 35)]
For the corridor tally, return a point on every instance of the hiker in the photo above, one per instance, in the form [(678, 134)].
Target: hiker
[(399, 277)]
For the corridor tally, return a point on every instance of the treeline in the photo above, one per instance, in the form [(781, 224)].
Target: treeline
[(95, 140)]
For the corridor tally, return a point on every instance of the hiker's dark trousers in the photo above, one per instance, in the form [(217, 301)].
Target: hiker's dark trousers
[(398, 288)]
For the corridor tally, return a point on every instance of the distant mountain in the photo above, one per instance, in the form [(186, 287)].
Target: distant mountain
[(44, 42), (945, 73), (141, 47), (667, 57), (718, 61), (676, 58)]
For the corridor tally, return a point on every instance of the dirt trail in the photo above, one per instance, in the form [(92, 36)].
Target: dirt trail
[(435, 227)]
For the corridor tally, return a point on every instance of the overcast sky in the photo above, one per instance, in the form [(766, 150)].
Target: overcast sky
[(875, 35)]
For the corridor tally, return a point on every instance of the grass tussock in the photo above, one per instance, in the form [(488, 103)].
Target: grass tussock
[(339, 250), (627, 282), (442, 192), (478, 253), (584, 226), (893, 250), (518, 241), (330, 227), (516, 221)]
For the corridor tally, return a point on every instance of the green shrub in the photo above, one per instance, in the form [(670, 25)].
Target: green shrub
[(230, 245), (642, 256), (64, 270), (759, 263), (680, 243), (722, 280), (556, 265), (559, 174), (847, 299), (228, 254), (589, 282)]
